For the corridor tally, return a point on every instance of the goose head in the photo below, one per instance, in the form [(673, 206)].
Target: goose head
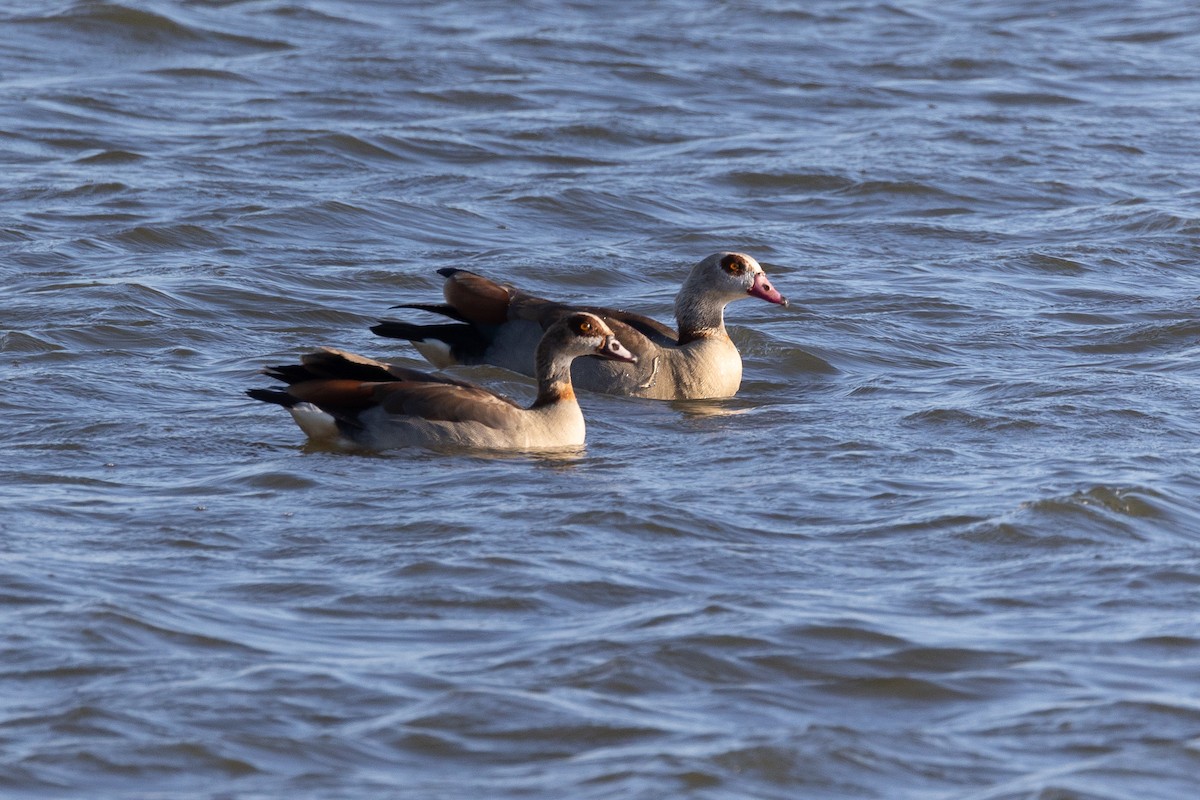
[(731, 276), (585, 334)]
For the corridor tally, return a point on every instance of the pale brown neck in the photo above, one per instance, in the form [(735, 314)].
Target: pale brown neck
[(553, 376), (699, 316)]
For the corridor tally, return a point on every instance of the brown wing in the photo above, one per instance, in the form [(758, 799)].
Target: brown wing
[(525, 306), (347, 399), (547, 312), (652, 329), (447, 403), (476, 299), (483, 301), (345, 385), (331, 363)]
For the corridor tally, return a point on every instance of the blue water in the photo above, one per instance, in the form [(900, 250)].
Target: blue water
[(942, 545)]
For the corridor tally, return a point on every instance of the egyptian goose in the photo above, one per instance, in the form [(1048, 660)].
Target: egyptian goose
[(346, 399), (501, 325)]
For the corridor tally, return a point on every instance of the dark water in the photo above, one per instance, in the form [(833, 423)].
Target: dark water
[(944, 544)]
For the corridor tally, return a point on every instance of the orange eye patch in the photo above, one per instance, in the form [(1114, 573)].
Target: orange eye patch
[(734, 265)]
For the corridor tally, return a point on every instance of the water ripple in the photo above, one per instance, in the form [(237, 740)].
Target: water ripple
[(942, 543)]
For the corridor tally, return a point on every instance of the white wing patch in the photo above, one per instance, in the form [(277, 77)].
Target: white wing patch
[(318, 425), (436, 352)]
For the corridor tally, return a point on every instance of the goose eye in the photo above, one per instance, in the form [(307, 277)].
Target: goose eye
[(585, 328), (733, 265)]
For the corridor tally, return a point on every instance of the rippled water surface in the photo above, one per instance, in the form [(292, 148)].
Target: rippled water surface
[(944, 544)]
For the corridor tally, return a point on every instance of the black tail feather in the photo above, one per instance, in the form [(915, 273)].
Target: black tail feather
[(289, 373), (449, 332), (327, 363), (273, 396), (466, 344), (445, 309)]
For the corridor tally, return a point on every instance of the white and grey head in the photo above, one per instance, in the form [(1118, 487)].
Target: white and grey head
[(732, 276), (585, 334)]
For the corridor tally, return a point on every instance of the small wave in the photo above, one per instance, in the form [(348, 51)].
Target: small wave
[(440, 149), (476, 100), (602, 210), (1143, 220), (796, 181), (771, 763), (1144, 37), (789, 359), (1031, 99), (145, 25), (670, 523), (846, 634), (357, 147), (323, 17), (121, 629), (1143, 338), (22, 342), (110, 157), (616, 132), (906, 188), (1129, 502), (796, 360), (112, 23), (88, 190), (601, 593), (169, 237), (957, 417), (320, 149), (1055, 265), (1173, 645), (1120, 148), (949, 659), (1082, 517), (203, 75), (278, 593), (898, 687), (517, 726), (279, 480), (86, 730)]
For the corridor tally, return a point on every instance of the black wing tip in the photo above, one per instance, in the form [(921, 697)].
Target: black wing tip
[(445, 309), (467, 345), (288, 373), (448, 332), (272, 396), (392, 330)]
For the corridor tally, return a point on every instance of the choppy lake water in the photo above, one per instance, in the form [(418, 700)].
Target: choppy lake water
[(944, 544)]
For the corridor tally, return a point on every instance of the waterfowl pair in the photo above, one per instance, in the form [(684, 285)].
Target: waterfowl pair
[(341, 398), (501, 325)]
